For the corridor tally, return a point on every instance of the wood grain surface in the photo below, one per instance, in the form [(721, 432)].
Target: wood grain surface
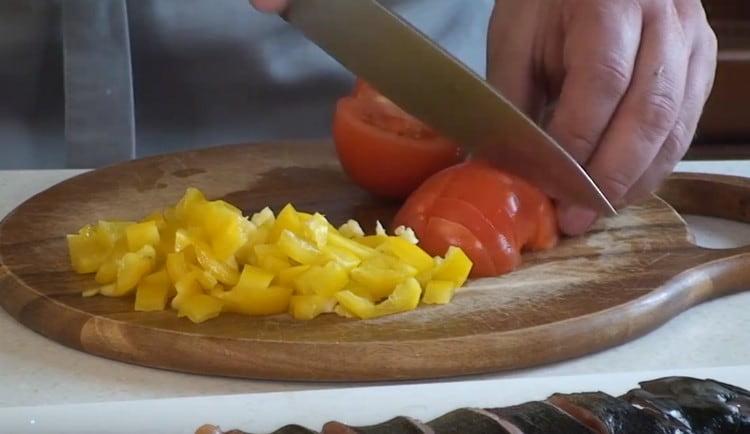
[(629, 275)]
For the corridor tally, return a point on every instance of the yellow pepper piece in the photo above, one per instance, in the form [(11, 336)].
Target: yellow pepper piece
[(152, 292), (324, 281), (340, 255), (307, 307), (108, 233), (177, 266), (258, 301), (360, 250), (132, 268), (274, 264), (201, 307), (356, 305), (142, 234), (86, 253), (263, 251), (187, 209), (204, 278), (316, 229), (107, 272), (439, 292), (408, 252), (342, 312), (182, 240), (379, 281), (217, 291), (186, 287), (373, 240), (254, 278), (224, 272), (287, 276), (286, 220), (264, 217), (455, 267), (404, 298), (297, 249)]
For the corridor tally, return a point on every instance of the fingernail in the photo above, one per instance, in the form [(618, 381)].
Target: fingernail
[(575, 220)]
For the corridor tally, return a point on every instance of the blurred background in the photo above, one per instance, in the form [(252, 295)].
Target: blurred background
[(210, 73)]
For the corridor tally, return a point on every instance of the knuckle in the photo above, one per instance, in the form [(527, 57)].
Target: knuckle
[(676, 145), (615, 184), (659, 114), (611, 76), (579, 144)]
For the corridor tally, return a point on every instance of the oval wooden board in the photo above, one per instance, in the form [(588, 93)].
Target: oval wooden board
[(623, 279)]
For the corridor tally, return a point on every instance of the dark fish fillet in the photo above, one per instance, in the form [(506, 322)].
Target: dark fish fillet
[(539, 418), (606, 414), (709, 406), (400, 425), (468, 421), (667, 407)]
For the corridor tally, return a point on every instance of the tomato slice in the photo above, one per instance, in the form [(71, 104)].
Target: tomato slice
[(442, 233), (385, 150), (497, 243), (503, 214)]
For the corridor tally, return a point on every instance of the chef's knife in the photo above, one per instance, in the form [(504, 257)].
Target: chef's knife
[(429, 83)]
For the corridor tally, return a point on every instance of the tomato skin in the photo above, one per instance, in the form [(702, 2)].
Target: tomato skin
[(383, 149), (491, 215)]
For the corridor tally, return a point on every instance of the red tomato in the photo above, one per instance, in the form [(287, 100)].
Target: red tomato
[(491, 215), (385, 150)]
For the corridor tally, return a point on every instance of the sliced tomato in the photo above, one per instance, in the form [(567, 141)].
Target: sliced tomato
[(385, 150), (503, 214), (442, 233)]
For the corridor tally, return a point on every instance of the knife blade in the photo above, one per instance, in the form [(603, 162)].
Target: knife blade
[(423, 79)]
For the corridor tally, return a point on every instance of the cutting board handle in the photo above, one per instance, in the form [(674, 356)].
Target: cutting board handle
[(720, 196)]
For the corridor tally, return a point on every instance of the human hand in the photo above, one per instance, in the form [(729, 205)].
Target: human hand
[(624, 83), (269, 5)]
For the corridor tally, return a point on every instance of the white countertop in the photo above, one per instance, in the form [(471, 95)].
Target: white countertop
[(35, 371)]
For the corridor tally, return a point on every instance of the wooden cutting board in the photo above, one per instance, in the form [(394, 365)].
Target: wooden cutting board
[(631, 274)]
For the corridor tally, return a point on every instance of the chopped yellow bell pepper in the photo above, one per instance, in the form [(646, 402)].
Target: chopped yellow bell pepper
[(186, 287), (177, 265), (324, 281), (408, 252), (359, 306), (224, 272), (380, 282), (360, 250), (254, 278), (152, 292), (142, 234), (107, 272), (132, 268), (298, 249), (296, 262), (288, 219), (340, 255), (274, 264), (404, 298), (316, 230), (310, 306), (287, 276), (455, 267), (257, 301), (264, 217), (201, 307), (86, 253), (373, 240), (439, 292)]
